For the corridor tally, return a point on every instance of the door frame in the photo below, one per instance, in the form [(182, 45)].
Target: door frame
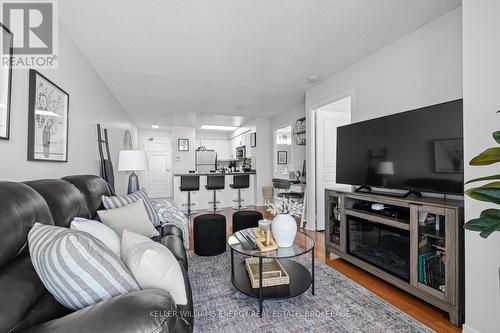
[(311, 150), (169, 161)]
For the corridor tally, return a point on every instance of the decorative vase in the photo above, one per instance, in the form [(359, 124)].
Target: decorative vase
[(284, 229)]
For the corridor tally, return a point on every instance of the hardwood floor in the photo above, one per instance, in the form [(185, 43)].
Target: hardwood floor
[(423, 312)]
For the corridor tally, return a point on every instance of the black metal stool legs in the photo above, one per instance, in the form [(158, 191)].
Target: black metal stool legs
[(238, 201), (214, 204)]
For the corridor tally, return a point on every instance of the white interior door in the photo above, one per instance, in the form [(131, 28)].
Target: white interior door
[(328, 118), (158, 176)]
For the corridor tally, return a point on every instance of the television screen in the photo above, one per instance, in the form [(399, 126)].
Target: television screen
[(420, 150)]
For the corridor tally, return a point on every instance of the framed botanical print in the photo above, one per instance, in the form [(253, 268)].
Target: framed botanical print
[(183, 144), (5, 82), (282, 157), (48, 120)]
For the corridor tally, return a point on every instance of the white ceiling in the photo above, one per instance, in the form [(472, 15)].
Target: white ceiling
[(179, 62)]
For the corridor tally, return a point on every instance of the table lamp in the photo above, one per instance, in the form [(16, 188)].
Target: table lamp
[(132, 160)]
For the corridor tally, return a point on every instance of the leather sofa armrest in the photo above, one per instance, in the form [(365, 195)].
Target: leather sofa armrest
[(149, 310)]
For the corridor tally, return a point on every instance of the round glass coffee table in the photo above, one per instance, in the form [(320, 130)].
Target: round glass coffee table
[(300, 277)]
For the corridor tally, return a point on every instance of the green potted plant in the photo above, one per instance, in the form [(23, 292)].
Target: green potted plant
[(489, 219)]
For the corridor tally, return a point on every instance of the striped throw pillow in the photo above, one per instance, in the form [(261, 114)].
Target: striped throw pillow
[(76, 268), (120, 201)]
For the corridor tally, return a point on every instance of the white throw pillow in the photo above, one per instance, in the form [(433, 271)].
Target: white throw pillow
[(100, 231), (78, 269), (132, 217), (153, 265)]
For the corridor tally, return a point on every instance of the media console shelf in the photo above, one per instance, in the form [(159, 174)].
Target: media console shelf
[(415, 244)]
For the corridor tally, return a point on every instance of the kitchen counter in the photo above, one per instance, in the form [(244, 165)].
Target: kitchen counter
[(251, 172)]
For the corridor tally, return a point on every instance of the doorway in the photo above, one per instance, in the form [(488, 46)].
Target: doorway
[(328, 118), (158, 176), (283, 152)]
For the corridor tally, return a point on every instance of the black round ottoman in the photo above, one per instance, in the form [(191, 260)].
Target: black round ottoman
[(246, 219), (209, 234)]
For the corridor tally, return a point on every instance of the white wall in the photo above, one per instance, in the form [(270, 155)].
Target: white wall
[(422, 68), (284, 119), (91, 102), (481, 49), (183, 161)]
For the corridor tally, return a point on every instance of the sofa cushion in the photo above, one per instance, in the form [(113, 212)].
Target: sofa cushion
[(174, 244), (78, 269), (132, 217), (92, 188), (153, 265), (120, 201), (100, 231), (20, 287), (65, 201)]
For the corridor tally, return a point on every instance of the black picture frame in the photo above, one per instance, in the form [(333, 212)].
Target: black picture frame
[(182, 144), (7, 40), (282, 157), (253, 140), (43, 123)]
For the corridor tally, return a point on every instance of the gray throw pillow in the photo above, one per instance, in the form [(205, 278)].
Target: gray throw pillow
[(76, 268)]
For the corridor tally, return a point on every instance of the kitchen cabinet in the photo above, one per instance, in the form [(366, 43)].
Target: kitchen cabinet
[(241, 140), (218, 145)]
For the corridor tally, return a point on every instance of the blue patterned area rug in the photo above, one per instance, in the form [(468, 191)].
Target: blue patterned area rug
[(339, 305)]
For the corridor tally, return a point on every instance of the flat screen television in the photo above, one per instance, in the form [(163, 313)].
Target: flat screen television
[(419, 150)]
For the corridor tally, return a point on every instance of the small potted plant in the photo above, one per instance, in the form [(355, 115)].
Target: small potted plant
[(284, 227)]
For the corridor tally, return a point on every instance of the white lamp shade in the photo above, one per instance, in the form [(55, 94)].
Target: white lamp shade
[(385, 168), (132, 160)]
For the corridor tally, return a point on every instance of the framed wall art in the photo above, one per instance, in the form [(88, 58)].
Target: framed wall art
[(282, 157), (183, 144), (48, 120), (5, 82), (253, 139)]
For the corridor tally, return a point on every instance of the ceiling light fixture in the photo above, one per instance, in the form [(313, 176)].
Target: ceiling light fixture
[(218, 127), (155, 126)]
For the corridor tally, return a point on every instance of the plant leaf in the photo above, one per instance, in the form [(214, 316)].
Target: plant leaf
[(489, 193), (496, 136), (483, 178), (486, 224), (489, 156)]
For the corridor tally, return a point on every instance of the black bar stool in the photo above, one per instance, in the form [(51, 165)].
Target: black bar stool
[(215, 182), (189, 184), (239, 182)]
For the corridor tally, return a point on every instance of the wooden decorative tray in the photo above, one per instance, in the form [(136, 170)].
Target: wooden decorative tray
[(260, 241)]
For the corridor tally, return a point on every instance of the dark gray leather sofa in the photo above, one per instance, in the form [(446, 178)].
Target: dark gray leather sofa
[(25, 304)]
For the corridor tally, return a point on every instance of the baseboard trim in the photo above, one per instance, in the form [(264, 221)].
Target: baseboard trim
[(468, 329)]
